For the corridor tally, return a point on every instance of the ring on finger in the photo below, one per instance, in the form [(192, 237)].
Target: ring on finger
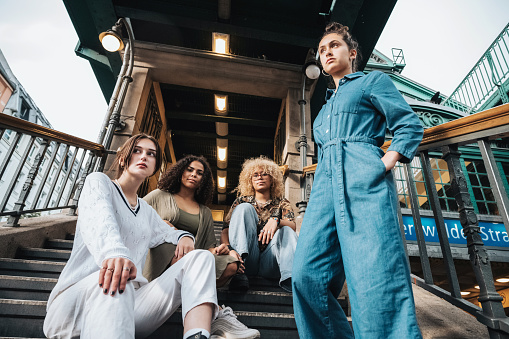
[(127, 269), (111, 270), (103, 268)]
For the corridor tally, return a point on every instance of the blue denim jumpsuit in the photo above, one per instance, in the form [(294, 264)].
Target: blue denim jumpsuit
[(350, 227)]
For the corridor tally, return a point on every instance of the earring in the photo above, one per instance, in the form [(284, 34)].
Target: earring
[(325, 74)]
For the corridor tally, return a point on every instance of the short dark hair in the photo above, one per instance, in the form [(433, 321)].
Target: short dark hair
[(351, 42), (125, 153), (170, 181)]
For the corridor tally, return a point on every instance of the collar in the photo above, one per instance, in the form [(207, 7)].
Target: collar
[(351, 76)]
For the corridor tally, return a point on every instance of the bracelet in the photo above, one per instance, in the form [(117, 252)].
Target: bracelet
[(277, 220), (231, 248)]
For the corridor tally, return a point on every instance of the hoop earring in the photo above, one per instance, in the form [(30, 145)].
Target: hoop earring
[(325, 74)]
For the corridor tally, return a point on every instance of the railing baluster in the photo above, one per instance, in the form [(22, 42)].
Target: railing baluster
[(90, 162), (27, 187), (9, 154), (414, 201), (495, 181), (16, 174), (66, 177), (57, 176), (46, 173), (440, 225), (400, 218), (76, 176), (491, 301)]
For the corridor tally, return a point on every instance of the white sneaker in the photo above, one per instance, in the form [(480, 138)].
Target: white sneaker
[(226, 326)]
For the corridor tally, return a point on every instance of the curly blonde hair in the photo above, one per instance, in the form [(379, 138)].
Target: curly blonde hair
[(266, 165)]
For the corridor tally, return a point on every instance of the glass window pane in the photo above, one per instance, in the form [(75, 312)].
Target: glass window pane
[(473, 179), (482, 208), (493, 209), (478, 193)]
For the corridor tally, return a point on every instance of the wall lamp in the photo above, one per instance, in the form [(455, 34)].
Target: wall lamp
[(112, 41), (221, 181), (221, 104), (220, 43)]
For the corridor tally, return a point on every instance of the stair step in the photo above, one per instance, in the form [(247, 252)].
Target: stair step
[(44, 254), (26, 288), (59, 244), (25, 318), (30, 268), (22, 318)]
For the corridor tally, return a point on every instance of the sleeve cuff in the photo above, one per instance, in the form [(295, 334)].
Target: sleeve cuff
[(185, 234), (407, 154)]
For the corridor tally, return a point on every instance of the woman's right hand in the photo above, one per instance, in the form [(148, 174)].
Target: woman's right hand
[(240, 265), (114, 275)]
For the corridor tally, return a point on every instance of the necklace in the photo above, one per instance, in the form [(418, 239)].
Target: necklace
[(133, 207)]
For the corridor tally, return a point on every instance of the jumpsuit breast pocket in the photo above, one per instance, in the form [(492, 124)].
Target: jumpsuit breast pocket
[(348, 101)]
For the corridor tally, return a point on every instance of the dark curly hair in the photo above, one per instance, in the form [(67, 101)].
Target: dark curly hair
[(170, 181), (342, 30)]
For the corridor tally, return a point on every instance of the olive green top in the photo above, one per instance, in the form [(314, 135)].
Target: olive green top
[(200, 225), (188, 222)]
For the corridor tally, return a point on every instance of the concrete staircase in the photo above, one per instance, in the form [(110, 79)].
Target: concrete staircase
[(26, 282)]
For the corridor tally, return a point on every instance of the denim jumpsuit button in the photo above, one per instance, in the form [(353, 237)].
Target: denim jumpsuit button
[(350, 228)]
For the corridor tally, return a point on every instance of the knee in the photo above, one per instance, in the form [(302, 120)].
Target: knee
[(201, 255), (230, 271), (244, 208)]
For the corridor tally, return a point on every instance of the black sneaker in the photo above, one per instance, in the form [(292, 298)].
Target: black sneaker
[(239, 283)]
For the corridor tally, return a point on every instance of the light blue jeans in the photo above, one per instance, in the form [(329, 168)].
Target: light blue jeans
[(276, 260)]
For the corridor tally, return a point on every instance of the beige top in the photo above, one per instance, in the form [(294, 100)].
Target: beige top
[(159, 258)]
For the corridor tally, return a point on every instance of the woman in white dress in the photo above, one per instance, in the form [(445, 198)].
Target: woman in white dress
[(101, 292)]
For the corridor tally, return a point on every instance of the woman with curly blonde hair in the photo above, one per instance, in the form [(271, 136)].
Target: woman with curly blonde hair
[(260, 226)]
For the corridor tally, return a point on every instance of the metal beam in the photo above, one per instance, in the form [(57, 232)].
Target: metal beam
[(214, 136), (92, 55), (214, 26), (217, 118)]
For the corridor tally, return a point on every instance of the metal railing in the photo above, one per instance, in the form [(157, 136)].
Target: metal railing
[(446, 138), (57, 164), (487, 82)]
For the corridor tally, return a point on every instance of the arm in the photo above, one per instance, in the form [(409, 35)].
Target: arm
[(402, 122), (101, 234)]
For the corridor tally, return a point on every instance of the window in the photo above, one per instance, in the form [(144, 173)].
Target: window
[(442, 184), (479, 186)]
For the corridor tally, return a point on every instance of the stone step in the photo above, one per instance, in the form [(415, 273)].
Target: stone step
[(24, 318), (43, 254), (26, 288), (31, 268), (59, 244)]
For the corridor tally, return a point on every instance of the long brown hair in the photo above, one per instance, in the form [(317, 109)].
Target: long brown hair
[(125, 153)]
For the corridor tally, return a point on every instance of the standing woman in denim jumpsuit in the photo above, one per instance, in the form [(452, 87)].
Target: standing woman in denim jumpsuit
[(350, 228)]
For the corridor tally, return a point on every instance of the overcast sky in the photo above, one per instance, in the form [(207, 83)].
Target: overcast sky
[(441, 41)]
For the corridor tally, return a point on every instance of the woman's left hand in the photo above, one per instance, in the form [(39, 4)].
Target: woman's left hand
[(267, 232), (184, 246), (390, 159)]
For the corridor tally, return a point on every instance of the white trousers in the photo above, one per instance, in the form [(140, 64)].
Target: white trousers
[(84, 311)]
